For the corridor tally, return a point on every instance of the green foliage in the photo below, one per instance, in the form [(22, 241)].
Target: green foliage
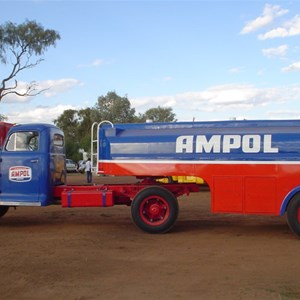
[(18, 44), (77, 124), (69, 122), (159, 114), (28, 37), (115, 108)]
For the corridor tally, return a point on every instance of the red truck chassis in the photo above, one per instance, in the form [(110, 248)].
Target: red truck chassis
[(154, 205)]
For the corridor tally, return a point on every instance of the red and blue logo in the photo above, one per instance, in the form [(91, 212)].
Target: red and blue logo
[(20, 174)]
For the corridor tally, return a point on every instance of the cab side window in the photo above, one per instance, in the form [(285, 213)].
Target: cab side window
[(23, 141)]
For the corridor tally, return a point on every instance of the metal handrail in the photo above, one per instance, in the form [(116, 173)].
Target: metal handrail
[(95, 144)]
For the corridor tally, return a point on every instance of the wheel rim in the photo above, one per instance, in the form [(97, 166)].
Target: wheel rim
[(154, 210)]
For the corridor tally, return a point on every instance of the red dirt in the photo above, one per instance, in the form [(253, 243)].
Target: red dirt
[(98, 253)]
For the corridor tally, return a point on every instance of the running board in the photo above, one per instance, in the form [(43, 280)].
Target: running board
[(18, 203)]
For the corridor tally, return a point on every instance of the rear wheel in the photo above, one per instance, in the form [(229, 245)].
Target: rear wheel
[(154, 210), (3, 210), (293, 214)]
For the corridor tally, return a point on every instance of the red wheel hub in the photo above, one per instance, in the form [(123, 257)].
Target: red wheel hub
[(154, 210)]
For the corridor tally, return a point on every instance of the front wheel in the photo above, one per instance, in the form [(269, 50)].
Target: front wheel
[(293, 214), (3, 210), (154, 210)]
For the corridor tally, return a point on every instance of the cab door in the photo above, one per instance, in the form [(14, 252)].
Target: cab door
[(21, 169)]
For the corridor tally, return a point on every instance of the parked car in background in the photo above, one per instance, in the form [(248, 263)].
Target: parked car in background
[(81, 166), (71, 166)]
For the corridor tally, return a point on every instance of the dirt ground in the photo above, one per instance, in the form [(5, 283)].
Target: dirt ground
[(98, 253)]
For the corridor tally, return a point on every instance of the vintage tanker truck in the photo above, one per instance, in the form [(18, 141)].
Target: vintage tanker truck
[(251, 167)]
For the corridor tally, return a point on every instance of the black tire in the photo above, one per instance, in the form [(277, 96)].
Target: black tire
[(293, 214), (3, 210), (154, 210)]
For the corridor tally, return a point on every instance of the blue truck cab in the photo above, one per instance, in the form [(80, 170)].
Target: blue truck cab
[(32, 163)]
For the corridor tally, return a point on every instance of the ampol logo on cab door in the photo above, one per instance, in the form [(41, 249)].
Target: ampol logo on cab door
[(20, 174)]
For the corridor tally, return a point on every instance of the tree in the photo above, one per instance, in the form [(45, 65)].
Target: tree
[(68, 121), (86, 117), (114, 108), (76, 124), (19, 44), (159, 114)]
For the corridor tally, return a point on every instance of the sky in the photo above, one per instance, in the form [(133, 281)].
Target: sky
[(208, 60)]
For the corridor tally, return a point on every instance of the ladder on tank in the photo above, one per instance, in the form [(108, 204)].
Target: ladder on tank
[(95, 143)]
